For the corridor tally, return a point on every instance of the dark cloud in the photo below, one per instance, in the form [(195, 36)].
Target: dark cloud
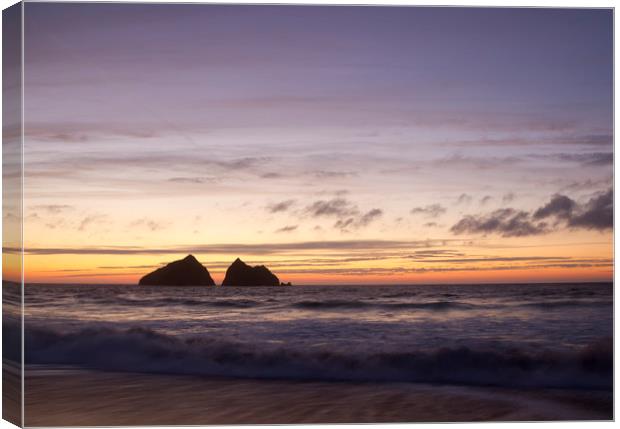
[(505, 222), (370, 216), (560, 206), (432, 210), (348, 214), (596, 213), (358, 222), (281, 206), (485, 199), (288, 228), (339, 207)]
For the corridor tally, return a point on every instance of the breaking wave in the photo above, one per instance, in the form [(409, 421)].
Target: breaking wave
[(144, 350)]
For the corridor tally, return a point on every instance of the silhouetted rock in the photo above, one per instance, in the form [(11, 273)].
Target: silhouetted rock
[(185, 272), (285, 284), (241, 274)]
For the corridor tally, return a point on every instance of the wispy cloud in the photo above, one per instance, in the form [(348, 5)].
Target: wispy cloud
[(288, 228), (281, 206), (149, 224), (334, 207), (240, 249), (194, 180), (508, 198), (53, 208), (323, 174), (91, 220), (596, 159), (432, 210), (464, 199), (352, 223), (484, 200)]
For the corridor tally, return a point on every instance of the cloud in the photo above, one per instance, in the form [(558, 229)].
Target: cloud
[(53, 208), (479, 163), (335, 207), (508, 198), (505, 222), (321, 174), (584, 159), (432, 210), (485, 199), (258, 249), (433, 253), (593, 139), (271, 175), (288, 228), (595, 214), (91, 220), (196, 180), (148, 223), (359, 222), (560, 206), (348, 214), (281, 206), (464, 199)]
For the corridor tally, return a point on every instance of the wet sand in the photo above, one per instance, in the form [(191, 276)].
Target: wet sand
[(85, 398)]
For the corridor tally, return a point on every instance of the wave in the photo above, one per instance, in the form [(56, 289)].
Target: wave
[(352, 305), (144, 350), (566, 303), (164, 302)]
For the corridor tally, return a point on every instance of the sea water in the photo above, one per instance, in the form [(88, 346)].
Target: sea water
[(521, 335)]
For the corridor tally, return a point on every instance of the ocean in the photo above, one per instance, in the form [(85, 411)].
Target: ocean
[(508, 335)]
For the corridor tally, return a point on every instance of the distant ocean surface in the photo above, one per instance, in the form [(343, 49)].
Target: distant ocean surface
[(537, 335)]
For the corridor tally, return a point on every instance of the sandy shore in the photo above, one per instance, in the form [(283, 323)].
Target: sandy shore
[(83, 398)]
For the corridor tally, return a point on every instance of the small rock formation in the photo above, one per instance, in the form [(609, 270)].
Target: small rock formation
[(241, 274), (185, 272)]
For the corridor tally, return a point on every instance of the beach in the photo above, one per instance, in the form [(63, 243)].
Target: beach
[(68, 397)]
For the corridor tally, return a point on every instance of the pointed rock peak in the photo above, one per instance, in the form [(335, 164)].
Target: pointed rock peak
[(241, 274), (184, 272)]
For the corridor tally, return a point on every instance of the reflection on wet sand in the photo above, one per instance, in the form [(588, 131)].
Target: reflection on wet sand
[(61, 397)]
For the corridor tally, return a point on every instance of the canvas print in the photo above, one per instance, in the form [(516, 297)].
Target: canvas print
[(279, 214)]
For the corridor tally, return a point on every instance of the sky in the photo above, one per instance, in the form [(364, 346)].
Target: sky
[(332, 144)]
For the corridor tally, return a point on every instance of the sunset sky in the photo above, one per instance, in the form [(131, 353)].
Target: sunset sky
[(333, 144)]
